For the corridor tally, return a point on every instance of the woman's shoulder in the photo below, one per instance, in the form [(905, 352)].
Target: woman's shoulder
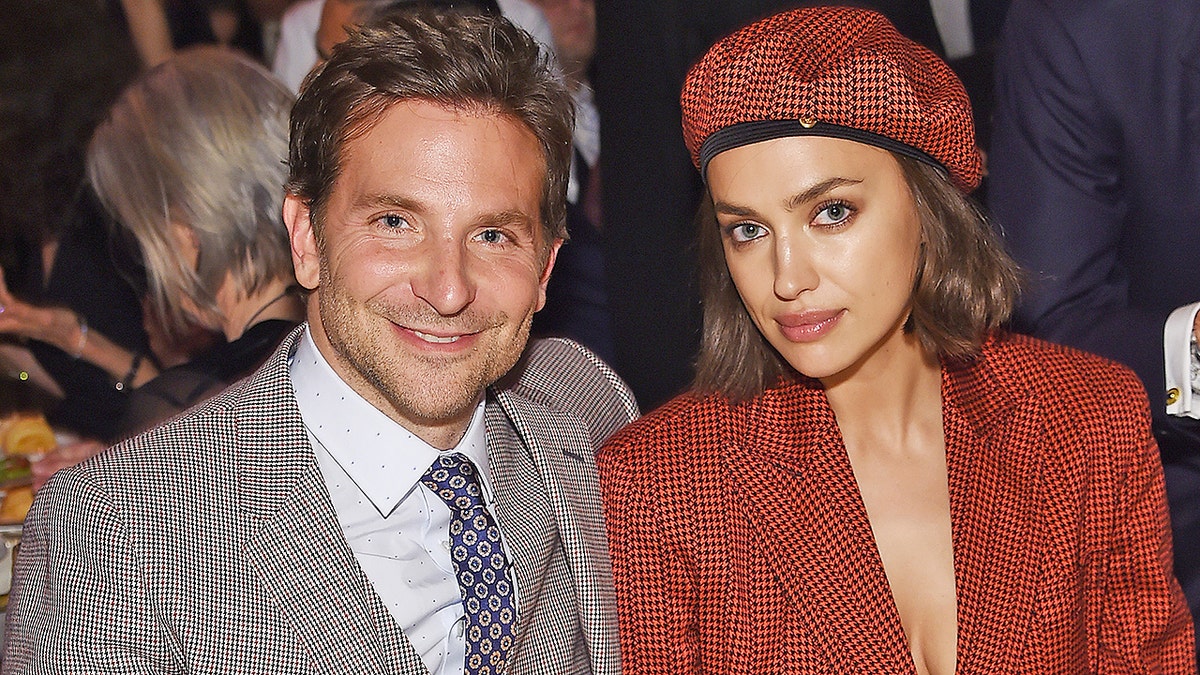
[(1039, 365), (1081, 397), (689, 420)]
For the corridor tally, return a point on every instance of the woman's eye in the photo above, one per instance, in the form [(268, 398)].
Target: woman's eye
[(746, 232), (836, 213)]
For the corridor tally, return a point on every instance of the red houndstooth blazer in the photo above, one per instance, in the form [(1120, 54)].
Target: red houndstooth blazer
[(740, 543)]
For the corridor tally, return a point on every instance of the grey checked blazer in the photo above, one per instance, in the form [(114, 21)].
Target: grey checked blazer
[(210, 545)]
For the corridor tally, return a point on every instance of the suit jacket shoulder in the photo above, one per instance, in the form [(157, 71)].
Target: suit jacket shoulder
[(206, 544), (567, 377)]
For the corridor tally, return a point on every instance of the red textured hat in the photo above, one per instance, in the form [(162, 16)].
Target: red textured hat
[(830, 71)]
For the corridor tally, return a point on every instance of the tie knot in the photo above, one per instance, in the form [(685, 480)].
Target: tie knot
[(453, 478)]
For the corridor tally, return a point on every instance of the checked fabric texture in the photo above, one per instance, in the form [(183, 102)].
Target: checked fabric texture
[(843, 66), (479, 564), (740, 543)]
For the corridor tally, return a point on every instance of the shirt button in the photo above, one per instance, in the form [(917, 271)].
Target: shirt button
[(446, 545), (460, 626)]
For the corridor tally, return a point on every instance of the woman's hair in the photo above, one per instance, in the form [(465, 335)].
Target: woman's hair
[(199, 141), (966, 286)]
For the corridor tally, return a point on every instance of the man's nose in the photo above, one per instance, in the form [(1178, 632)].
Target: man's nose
[(443, 277)]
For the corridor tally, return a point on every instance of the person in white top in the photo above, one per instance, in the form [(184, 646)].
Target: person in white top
[(309, 28)]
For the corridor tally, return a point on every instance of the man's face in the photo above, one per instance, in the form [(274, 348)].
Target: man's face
[(573, 23), (431, 261)]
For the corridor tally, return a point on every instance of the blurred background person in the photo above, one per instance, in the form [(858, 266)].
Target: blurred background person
[(577, 297), (310, 28), (72, 312), (1095, 183), (190, 162)]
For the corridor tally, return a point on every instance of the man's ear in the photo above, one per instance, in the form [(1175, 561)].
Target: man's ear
[(557, 244), (305, 253)]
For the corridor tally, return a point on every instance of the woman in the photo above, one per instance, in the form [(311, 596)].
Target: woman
[(870, 476), (190, 163)]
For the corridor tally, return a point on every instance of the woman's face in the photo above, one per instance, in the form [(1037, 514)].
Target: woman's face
[(822, 239)]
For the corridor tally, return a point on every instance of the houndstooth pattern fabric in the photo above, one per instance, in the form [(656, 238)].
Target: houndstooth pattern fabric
[(209, 544), (843, 66), (479, 564), (740, 542)]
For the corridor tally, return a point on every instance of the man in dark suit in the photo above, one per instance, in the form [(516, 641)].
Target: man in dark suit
[(403, 487), (1095, 182)]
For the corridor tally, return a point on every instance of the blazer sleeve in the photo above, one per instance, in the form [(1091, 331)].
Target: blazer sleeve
[(78, 603), (1144, 625), (1055, 191), (656, 587)]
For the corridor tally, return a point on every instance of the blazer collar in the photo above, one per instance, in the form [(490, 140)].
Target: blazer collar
[(789, 469), (294, 542), (561, 450)]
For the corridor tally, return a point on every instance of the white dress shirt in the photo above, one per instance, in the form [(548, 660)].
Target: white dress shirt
[(1182, 363), (398, 529), (296, 52), (953, 21)]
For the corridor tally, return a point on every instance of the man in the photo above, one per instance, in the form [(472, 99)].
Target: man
[(403, 487), (1095, 172)]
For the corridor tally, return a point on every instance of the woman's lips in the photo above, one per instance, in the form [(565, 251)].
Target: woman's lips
[(808, 326)]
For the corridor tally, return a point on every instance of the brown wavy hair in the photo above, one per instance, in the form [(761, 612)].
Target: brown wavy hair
[(461, 60), (966, 286)]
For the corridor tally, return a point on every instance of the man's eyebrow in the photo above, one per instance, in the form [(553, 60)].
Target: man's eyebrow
[(507, 218), (806, 195), (377, 201)]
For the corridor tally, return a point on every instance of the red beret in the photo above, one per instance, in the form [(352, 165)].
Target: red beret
[(830, 71)]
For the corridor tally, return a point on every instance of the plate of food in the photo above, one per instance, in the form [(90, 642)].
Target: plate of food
[(24, 437)]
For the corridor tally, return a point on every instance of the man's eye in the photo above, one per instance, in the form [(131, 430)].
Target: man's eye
[(492, 236), (393, 221)]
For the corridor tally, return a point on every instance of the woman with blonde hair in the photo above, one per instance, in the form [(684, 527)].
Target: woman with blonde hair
[(870, 474), (190, 162)]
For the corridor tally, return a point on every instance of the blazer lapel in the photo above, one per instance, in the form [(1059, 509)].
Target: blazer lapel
[(560, 448), (994, 462), (790, 471), (294, 542), (526, 519)]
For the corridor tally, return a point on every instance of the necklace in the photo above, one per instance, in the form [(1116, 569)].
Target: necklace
[(286, 292)]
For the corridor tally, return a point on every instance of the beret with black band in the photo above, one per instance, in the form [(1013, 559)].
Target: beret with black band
[(840, 72)]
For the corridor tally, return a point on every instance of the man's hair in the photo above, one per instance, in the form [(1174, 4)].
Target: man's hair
[(458, 60), (198, 141), (966, 286)]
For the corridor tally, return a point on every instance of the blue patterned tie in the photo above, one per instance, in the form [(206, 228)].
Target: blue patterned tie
[(479, 564)]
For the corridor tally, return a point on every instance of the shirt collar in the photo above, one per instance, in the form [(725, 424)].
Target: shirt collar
[(385, 460)]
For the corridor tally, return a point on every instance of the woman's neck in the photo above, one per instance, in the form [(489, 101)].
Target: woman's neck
[(891, 400), (274, 300)]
